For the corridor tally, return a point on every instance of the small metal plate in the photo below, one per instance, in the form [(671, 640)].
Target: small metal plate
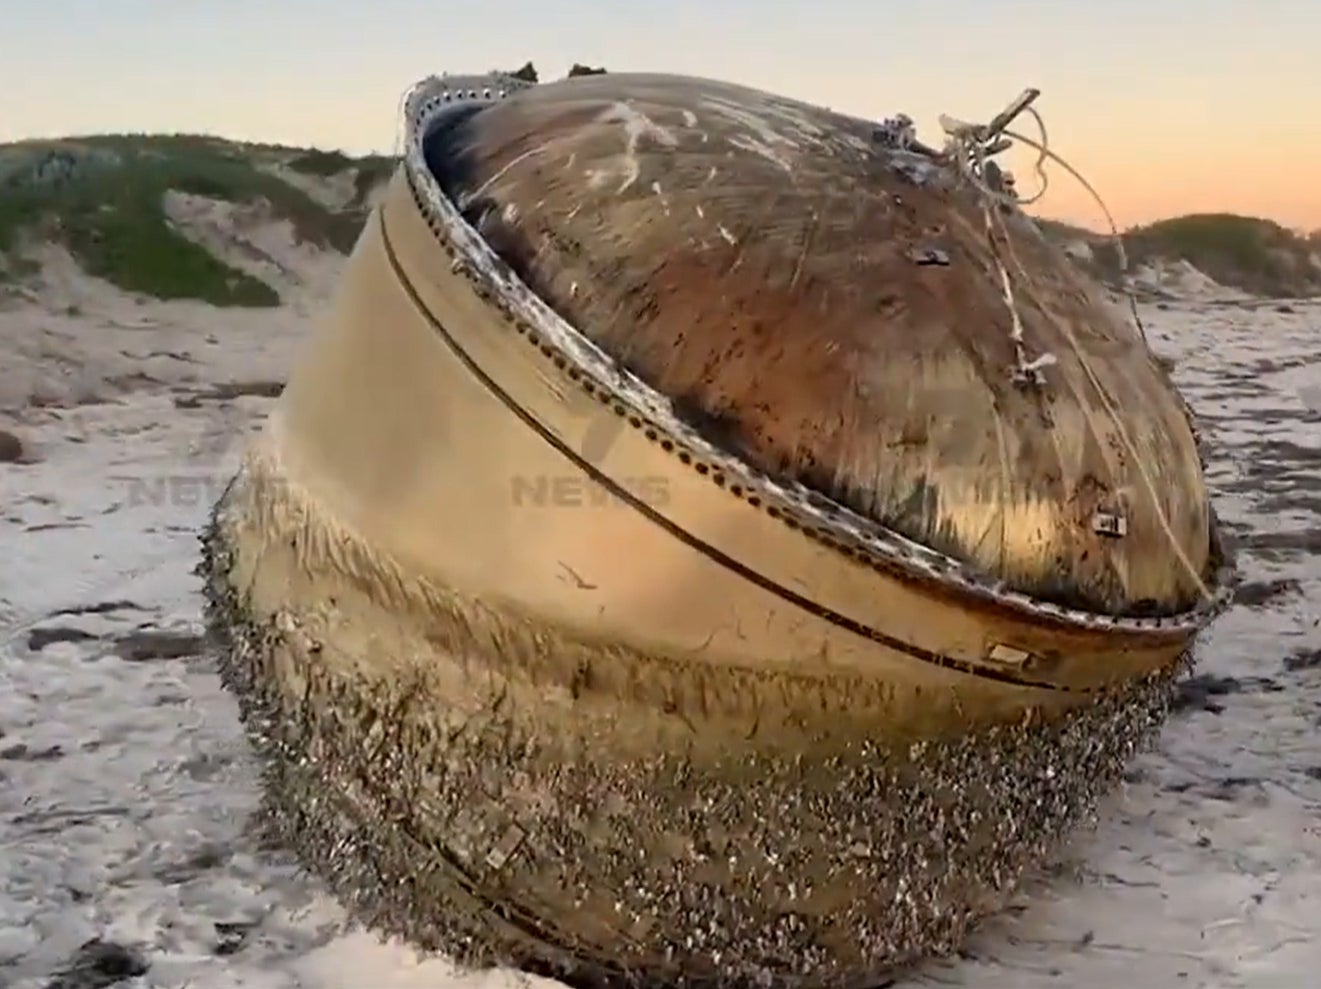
[(505, 848), (1110, 524), (1003, 654)]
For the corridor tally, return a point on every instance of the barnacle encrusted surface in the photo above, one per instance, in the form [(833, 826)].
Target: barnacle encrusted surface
[(528, 835)]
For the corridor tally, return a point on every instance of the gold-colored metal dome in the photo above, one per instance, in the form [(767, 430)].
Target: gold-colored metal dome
[(831, 309)]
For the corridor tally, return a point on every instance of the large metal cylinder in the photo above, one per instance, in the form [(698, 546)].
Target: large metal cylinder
[(662, 564)]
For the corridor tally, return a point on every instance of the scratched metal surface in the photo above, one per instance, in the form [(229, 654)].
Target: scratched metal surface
[(767, 264)]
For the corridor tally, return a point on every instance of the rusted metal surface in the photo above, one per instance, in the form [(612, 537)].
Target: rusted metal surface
[(830, 310)]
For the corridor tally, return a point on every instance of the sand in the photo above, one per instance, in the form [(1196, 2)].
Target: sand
[(126, 786)]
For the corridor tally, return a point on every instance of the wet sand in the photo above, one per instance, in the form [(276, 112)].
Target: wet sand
[(126, 787)]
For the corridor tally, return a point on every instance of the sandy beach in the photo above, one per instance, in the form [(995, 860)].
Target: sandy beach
[(126, 786)]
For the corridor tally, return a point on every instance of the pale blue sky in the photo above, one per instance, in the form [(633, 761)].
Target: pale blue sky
[(1168, 105)]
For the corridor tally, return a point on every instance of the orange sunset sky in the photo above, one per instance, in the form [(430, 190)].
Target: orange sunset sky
[(1168, 106)]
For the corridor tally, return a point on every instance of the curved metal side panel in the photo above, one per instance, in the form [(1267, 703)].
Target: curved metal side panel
[(458, 450)]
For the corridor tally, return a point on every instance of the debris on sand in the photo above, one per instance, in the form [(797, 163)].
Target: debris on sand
[(40, 638), (145, 645), (140, 646), (98, 965), (11, 448)]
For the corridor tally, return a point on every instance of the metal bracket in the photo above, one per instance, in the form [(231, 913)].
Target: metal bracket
[(505, 848), (1110, 524), (1003, 654)]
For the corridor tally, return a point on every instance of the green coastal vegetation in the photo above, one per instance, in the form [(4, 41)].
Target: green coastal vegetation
[(102, 198), (1256, 255)]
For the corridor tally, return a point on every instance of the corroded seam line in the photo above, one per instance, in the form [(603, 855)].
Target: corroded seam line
[(707, 550), (883, 548)]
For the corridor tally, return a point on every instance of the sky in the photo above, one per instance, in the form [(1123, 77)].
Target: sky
[(1167, 106)]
